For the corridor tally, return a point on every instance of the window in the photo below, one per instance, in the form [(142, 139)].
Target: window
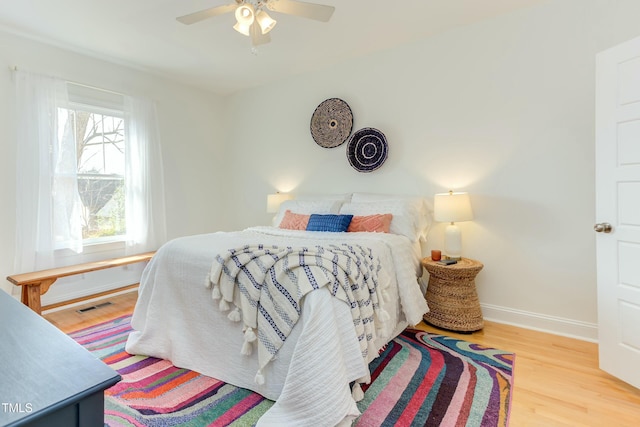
[(89, 173), (99, 138)]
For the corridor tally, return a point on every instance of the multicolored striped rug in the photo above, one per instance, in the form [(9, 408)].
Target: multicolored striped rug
[(420, 379)]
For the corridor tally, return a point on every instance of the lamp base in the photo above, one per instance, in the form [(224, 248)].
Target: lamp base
[(452, 242)]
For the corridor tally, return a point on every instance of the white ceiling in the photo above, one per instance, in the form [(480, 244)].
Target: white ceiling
[(211, 55)]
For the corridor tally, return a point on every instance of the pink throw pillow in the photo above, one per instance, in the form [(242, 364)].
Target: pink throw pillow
[(379, 223), (294, 221)]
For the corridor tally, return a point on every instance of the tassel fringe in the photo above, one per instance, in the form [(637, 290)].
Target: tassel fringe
[(357, 393), (259, 379), (250, 335), (364, 380), (235, 315), (249, 338), (247, 349), (224, 305), (215, 293)]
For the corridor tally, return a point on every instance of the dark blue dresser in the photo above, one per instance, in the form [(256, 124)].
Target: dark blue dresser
[(46, 378)]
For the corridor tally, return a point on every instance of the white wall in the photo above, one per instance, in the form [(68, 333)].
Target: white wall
[(192, 135), (503, 109)]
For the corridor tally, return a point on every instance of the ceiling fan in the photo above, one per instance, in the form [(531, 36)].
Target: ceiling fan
[(252, 18)]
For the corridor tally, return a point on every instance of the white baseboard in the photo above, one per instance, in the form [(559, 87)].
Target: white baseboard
[(541, 322)]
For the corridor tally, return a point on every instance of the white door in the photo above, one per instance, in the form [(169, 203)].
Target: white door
[(618, 204)]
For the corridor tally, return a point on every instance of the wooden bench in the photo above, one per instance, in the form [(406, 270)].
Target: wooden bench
[(38, 283)]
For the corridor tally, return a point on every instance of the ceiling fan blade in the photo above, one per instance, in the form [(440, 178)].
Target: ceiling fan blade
[(319, 12), (192, 18), (257, 38)]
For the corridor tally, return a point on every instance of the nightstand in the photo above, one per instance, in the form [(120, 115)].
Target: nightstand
[(452, 297)]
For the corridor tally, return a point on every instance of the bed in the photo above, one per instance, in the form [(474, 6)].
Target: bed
[(185, 312)]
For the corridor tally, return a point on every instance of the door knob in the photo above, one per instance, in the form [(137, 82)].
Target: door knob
[(603, 227)]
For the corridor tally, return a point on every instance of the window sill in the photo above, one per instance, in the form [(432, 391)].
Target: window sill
[(91, 251)]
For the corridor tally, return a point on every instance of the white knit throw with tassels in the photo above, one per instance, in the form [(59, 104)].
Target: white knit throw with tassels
[(263, 286)]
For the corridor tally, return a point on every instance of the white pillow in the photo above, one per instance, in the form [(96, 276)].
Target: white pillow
[(403, 221), (419, 208), (307, 207), (344, 197)]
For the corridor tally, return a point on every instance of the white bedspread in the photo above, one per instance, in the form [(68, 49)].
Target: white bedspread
[(176, 319)]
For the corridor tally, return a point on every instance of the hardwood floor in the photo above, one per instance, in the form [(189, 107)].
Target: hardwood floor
[(557, 380), (70, 319)]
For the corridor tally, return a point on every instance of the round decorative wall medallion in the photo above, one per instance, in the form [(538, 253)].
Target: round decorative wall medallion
[(331, 123), (367, 149)]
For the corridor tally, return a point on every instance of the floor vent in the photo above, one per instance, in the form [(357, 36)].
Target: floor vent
[(94, 307)]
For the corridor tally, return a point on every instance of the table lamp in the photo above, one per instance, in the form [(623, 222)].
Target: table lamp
[(452, 207), (275, 200)]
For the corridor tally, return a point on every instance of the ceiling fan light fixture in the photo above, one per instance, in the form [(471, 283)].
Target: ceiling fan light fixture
[(242, 29), (245, 14), (252, 19), (265, 21)]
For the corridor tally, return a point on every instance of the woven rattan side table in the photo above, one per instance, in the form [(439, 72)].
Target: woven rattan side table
[(452, 297)]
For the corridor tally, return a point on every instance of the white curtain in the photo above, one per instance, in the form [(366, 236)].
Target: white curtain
[(46, 165), (144, 182), (48, 204)]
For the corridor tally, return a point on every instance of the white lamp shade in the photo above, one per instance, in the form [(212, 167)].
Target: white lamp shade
[(275, 200), (452, 207), (242, 29), (245, 15), (265, 21)]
